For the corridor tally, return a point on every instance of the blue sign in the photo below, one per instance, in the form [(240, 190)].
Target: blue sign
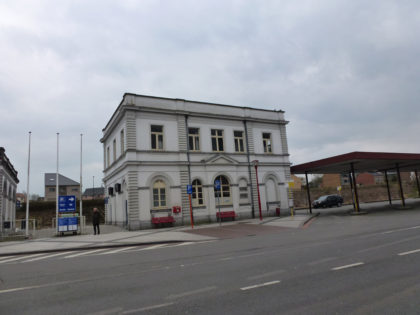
[(217, 184), (66, 203), (18, 204), (62, 224), (189, 189)]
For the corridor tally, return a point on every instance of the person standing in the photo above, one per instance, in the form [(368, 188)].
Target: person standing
[(96, 216)]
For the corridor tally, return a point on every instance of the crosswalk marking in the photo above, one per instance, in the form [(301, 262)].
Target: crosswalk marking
[(45, 257), (85, 253), (117, 250), (150, 247), (19, 258)]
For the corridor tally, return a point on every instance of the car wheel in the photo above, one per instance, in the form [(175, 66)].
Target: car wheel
[(339, 204)]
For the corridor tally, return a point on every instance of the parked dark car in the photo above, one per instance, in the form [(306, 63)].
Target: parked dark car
[(328, 201)]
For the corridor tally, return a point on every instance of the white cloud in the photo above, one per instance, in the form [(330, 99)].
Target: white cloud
[(346, 73)]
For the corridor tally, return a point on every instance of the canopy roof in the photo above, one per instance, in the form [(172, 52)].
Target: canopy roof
[(362, 162)]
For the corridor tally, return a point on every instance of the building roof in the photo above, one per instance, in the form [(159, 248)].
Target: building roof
[(131, 99), (362, 162), (49, 180), (94, 191), (5, 162)]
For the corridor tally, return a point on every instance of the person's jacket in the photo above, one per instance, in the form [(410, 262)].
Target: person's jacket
[(96, 217)]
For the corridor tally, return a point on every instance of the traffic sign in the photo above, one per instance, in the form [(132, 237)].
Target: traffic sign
[(66, 203), (18, 204), (217, 184), (189, 189)]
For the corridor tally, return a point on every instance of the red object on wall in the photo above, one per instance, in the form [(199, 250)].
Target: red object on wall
[(176, 209)]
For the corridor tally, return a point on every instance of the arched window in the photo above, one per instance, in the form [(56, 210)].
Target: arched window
[(159, 194), (225, 194), (197, 193)]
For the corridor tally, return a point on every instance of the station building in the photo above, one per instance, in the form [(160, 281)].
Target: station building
[(8, 185), (154, 147)]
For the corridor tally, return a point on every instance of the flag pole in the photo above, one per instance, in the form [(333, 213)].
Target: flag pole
[(81, 187), (56, 189), (27, 188)]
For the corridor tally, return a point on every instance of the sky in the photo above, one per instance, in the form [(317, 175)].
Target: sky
[(346, 73)]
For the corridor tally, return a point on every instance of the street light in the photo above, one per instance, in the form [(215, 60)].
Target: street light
[(255, 163)]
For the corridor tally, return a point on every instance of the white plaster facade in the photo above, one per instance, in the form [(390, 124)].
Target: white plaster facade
[(153, 179), (8, 186)]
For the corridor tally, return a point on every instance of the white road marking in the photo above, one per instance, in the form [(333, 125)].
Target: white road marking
[(183, 244), (410, 252), (19, 258), (150, 247), (85, 253), (45, 257), (19, 289), (117, 250), (198, 291), (227, 258), (348, 266), (5, 257), (263, 275), (260, 285), (405, 229), (147, 308)]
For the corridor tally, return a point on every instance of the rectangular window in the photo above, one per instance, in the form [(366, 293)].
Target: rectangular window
[(239, 141), (108, 162), (114, 150), (157, 137), (217, 140), (122, 141), (194, 139), (267, 142), (51, 189)]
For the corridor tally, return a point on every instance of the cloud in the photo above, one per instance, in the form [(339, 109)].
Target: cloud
[(346, 73)]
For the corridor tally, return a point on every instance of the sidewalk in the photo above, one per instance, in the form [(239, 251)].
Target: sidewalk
[(144, 237)]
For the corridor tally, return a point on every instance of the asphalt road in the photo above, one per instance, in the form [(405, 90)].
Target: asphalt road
[(336, 264)]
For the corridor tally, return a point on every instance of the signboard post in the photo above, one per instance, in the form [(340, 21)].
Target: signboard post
[(217, 188), (189, 192)]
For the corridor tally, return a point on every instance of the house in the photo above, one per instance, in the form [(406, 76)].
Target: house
[(154, 147), (8, 185), (94, 193), (67, 186), (297, 182)]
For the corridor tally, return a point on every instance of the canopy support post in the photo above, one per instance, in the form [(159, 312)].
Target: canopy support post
[(399, 182), (417, 181), (356, 196), (387, 187), (309, 193)]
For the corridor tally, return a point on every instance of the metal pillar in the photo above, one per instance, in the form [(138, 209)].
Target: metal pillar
[(399, 182), (418, 185), (308, 192), (351, 188), (356, 196), (387, 187)]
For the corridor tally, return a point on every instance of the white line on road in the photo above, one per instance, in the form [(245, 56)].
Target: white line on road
[(117, 250), (405, 229), (260, 285), (410, 252), (150, 247), (45, 257), (19, 289), (183, 294), (267, 274), (183, 244), (147, 308), (348, 266), (5, 257), (85, 253), (19, 258)]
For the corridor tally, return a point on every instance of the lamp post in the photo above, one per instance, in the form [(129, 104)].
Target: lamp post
[(255, 163)]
